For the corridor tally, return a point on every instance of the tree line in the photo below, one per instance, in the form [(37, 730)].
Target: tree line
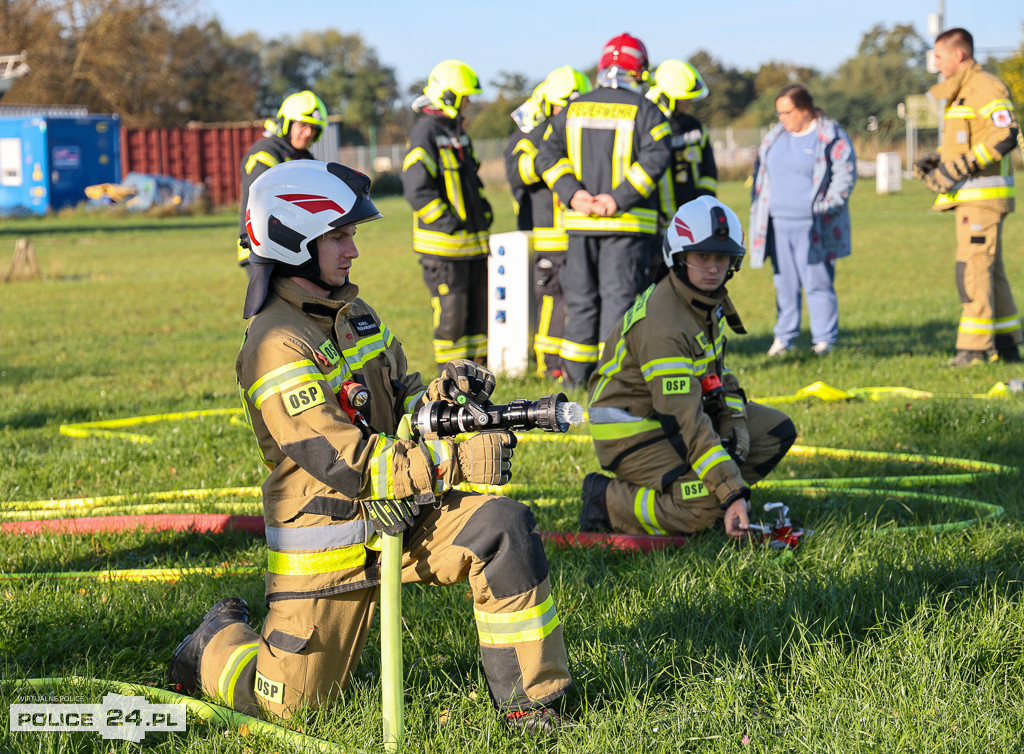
[(137, 58)]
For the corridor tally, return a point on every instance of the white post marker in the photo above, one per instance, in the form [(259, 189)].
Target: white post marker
[(510, 302), (391, 672)]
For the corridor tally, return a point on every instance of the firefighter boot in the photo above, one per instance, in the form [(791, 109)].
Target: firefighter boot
[(594, 516), (184, 670), (966, 358), (1005, 350), (539, 723)]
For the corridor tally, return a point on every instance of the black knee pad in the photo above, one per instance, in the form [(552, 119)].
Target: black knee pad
[(502, 534)]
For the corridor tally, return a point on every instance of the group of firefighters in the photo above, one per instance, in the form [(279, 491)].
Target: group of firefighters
[(617, 183)]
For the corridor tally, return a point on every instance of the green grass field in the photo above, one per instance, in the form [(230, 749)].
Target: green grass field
[(869, 637)]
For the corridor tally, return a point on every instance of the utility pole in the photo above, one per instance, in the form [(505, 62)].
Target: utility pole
[(936, 25)]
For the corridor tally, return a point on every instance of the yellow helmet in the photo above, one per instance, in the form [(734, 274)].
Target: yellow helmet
[(560, 86), (449, 82), (676, 80), (304, 107)]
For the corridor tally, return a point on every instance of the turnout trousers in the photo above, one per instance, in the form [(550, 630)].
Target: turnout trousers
[(458, 298), (988, 315), (309, 646), (601, 278), (550, 303), (656, 492)]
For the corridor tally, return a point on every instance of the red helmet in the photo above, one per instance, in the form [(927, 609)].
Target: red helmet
[(628, 53)]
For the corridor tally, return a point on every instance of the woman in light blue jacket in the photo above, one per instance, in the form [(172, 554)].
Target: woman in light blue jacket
[(800, 216)]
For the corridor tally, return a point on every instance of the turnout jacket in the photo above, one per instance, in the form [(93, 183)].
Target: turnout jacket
[(298, 350), (263, 155), (440, 181), (692, 171), (979, 122), (647, 387), (609, 141), (545, 210)]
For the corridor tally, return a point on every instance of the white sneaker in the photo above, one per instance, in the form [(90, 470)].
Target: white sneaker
[(822, 348), (778, 348)]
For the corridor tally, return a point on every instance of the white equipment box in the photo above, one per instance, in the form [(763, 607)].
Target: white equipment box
[(510, 303)]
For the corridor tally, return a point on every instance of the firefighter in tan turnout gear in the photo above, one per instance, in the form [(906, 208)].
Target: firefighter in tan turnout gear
[(668, 418), (603, 156), (973, 175), (545, 212), (336, 479), (451, 216)]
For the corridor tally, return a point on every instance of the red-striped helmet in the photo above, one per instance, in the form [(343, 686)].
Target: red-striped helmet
[(628, 54)]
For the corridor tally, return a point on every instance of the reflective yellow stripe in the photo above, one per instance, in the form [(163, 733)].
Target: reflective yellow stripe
[(446, 350), (236, 664), (959, 111), (432, 211), (556, 171), (453, 183), (709, 460), (643, 509), (661, 131), (735, 403), (420, 155), (550, 239), (504, 629), (664, 367), (458, 244), (982, 156), (308, 564), (996, 104), (708, 184), (639, 179), (378, 470), (637, 220), (581, 352), (1007, 324), (368, 348), (527, 169), (260, 158), (973, 195), (283, 378), (622, 430)]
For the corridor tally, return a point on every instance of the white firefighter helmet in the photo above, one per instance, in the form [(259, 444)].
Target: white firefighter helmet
[(290, 206), (704, 225)]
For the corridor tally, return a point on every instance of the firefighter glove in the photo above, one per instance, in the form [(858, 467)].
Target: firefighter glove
[(925, 165), (735, 437), (392, 516), (485, 458), (948, 174), (462, 377)]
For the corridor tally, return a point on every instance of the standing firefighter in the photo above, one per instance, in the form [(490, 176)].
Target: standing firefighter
[(603, 156), (545, 211), (451, 216), (973, 175), (668, 418), (692, 171), (300, 122), (335, 481)]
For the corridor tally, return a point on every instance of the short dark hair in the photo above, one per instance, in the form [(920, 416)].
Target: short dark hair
[(798, 95), (959, 39)]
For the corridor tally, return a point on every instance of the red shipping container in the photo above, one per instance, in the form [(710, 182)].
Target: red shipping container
[(206, 154)]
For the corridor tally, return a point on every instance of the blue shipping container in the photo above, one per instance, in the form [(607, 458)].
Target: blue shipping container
[(47, 161)]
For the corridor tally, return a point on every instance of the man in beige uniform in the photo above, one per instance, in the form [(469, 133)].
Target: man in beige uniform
[(668, 418), (337, 477), (973, 175)]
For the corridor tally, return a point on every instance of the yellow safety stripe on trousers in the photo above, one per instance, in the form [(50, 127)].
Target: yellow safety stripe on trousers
[(505, 629), (709, 460), (316, 538), (983, 326), (550, 239), (419, 154), (643, 509), (446, 350), (282, 379), (637, 220), (583, 353), (996, 104), (431, 211), (545, 344), (238, 661), (453, 182), (527, 168), (313, 563), (379, 473), (458, 244), (260, 158), (622, 430), (476, 345)]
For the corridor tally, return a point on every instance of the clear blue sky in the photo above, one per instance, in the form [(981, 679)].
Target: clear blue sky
[(532, 37)]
